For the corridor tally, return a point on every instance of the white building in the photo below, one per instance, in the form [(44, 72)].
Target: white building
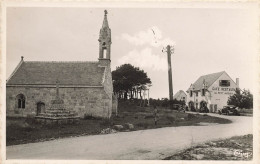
[(211, 90), (180, 96)]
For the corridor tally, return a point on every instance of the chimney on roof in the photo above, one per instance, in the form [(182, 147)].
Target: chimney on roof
[(237, 82), (21, 57)]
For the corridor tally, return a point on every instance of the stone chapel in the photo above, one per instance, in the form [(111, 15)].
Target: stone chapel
[(86, 87)]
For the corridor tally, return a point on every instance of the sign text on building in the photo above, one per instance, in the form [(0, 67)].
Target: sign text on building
[(220, 90)]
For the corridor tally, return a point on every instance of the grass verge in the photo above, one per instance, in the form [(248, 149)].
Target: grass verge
[(235, 148)]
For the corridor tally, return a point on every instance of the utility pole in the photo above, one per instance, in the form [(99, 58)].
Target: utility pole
[(169, 49)]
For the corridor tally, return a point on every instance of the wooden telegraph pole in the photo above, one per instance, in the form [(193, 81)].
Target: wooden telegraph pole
[(169, 49)]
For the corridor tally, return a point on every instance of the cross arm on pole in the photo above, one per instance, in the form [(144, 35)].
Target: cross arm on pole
[(168, 49)]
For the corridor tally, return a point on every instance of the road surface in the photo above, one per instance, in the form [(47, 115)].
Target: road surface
[(143, 144)]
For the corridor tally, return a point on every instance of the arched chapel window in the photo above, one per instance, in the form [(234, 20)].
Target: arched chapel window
[(20, 101)]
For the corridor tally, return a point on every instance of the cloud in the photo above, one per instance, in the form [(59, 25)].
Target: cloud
[(149, 40), (152, 36), (145, 59)]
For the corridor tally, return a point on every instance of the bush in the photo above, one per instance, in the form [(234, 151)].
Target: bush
[(164, 102), (105, 122), (148, 116), (30, 119), (28, 129), (249, 111), (171, 119), (168, 111), (141, 109), (143, 124), (107, 131), (116, 118), (241, 100), (129, 126), (118, 127), (191, 116), (90, 117)]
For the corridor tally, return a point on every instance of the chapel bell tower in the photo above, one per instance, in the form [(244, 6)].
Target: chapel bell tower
[(104, 41)]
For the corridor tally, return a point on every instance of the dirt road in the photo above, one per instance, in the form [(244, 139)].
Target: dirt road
[(144, 144)]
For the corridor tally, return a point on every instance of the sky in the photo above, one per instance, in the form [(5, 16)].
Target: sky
[(205, 40)]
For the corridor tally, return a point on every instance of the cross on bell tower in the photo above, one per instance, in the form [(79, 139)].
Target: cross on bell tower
[(105, 41)]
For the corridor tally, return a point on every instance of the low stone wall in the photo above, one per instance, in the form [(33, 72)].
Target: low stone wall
[(57, 121)]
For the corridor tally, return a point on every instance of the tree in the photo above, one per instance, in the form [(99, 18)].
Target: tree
[(128, 79), (241, 100)]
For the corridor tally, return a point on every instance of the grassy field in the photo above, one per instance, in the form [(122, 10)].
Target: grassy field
[(235, 148), (22, 130)]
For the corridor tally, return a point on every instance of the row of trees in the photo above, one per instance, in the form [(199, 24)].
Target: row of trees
[(241, 99), (129, 81)]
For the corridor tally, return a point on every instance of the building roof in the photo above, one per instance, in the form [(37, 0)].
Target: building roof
[(67, 73), (178, 95), (207, 79)]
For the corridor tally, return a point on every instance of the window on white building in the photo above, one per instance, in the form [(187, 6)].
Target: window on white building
[(224, 83), (203, 92), (190, 93)]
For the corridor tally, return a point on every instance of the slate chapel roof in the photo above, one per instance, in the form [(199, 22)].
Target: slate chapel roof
[(209, 80), (67, 73)]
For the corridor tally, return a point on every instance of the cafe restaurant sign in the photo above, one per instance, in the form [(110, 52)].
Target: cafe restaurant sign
[(223, 90)]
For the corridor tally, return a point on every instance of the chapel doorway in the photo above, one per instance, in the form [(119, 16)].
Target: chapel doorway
[(40, 108)]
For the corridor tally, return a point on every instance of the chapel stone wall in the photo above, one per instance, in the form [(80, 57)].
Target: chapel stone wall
[(108, 88), (85, 101)]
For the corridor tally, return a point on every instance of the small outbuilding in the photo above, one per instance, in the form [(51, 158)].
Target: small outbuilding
[(180, 96)]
